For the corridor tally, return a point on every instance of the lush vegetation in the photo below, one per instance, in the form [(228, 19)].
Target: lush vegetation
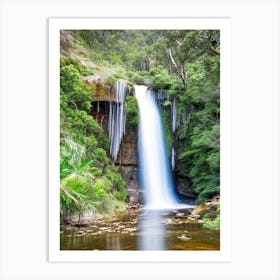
[(131, 110), (212, 223), (88, 182), (186, 64), (202, 132)]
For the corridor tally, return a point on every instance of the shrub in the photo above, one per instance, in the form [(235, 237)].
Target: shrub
[(212, 224), (131, 111)]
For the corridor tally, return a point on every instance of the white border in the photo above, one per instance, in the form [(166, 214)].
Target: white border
[(55, 255)]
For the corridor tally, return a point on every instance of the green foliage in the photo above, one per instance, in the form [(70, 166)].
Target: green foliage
[(87, 71), (85, 182), (71, 61), (72, 92), (162, 80), (168, 136), (140, 77), (213, 224), (167, 103), (131, 111), (74, 196), (76, 178), (101, 187), (202, 153), (84, 71), (84, 185), (117, 182)]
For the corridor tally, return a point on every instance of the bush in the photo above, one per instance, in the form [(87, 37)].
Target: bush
[(131, 107), (140, 78), (87, 71), (212, 224), (73, 94), (161, 79), (85, 186)]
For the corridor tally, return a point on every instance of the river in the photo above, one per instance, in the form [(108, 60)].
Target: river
[(140, 229)]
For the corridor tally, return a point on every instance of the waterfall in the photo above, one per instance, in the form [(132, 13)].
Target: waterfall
[(174, 115), (155, 171), (173, 158), (184, 118), (160, 96), (117, 118), (174, 124)]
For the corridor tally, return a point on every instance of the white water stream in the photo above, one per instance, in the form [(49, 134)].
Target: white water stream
[(117, 118), (155, 171)]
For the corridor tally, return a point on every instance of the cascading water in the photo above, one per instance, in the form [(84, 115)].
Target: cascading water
[(155, 172), (117, 118), (174, 115), (173, 158)]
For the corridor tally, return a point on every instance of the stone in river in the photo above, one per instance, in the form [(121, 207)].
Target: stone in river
[(184, 237)]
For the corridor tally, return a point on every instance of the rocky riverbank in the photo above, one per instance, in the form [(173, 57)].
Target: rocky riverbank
[(179, 229)]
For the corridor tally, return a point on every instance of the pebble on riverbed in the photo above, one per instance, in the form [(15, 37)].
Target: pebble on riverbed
[(180, 214), (172, 221), (184, 237), (193, 217)]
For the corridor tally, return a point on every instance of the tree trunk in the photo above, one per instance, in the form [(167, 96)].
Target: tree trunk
[(179, 69)]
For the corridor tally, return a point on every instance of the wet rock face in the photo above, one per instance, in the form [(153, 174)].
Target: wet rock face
[(69, 48), (66, 42), (183, 187), (208, 207), (127, 158), (134, 192), (102, 91), (128, 150), (183, 182), (79, 220), (100, 88), (100, 112)]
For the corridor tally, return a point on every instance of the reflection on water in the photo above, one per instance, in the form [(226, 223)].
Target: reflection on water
[(139, 229), (152, 231), (113, 242)]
